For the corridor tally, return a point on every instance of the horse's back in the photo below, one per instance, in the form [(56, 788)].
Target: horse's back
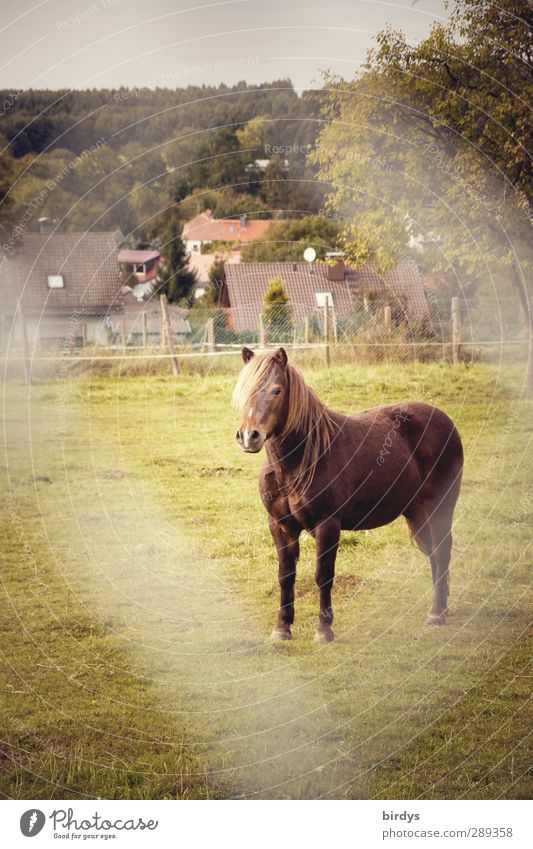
[(429, 436), (428, 430), (436, 445)]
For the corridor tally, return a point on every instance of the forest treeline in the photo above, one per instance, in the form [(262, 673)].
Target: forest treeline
[(108, 159)]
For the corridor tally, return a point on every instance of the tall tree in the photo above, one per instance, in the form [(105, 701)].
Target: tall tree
[(277, 312), (285, 241), (431, 141), (175, 278)]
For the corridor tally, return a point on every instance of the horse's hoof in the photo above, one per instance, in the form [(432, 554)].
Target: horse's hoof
[(433, 620), (324, 635), (280, 634)]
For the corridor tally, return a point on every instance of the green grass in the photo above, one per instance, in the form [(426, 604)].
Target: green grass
[(139, 584)]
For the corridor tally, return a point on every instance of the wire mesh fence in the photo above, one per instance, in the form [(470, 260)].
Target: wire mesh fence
[(457, 329)]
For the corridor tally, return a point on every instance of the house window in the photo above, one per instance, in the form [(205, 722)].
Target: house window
[(195, 247), (139, 268), (324, 299), (55, 281)]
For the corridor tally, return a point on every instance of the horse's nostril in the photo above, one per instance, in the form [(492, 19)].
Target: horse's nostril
[(254, 434), (238, 436)]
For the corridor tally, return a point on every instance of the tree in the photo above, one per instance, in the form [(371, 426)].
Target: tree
[(251, 137), (276, 188), (277, 312), (285, 241), (175, 278), (431, 140), (147, 146), (215, 281), (223, 204)]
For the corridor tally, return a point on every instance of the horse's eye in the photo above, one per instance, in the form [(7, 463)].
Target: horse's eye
[(276, 391)]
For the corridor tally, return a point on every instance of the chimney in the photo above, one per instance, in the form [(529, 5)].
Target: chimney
[(244, 221), (209, 213), (45, 225), (336, 272)]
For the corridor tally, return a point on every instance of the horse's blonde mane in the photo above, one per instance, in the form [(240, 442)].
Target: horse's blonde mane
[(307, 418)]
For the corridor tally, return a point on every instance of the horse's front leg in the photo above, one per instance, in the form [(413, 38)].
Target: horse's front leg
[(287, 543), (327, 537)]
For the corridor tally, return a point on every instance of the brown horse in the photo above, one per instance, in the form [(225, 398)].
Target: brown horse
[(326, 472)]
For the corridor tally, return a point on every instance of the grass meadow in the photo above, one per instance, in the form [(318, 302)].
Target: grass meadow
[(139, 589)]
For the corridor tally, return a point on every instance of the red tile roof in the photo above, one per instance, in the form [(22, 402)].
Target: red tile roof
[(401, 286), (205, 228), (247, 283), (137, 257), (87, 262)]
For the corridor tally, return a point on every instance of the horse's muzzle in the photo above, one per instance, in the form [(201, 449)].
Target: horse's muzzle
[(250, 441)]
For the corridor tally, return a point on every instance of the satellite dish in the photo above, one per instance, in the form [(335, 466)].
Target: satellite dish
[(138, 291), (309, 254)]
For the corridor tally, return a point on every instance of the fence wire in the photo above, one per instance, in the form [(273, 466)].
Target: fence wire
[(467, 329)]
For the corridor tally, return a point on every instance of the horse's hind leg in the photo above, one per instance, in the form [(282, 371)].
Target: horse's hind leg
[(420, 532), (327, 537), (431, 531), (440, 523)]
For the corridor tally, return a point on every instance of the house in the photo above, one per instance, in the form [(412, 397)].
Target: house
[(67, 285), (203, 229), (145, 263), (311, 286), (133, 325), (201, 265)]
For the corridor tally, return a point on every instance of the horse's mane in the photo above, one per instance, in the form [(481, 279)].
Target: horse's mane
[(307, 418)]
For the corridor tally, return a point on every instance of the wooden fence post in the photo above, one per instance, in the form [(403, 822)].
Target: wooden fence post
[(387, 317), (211, 334), (168, 334), (306, 330), (123, 336), (326, 331), (456, 329), (144, 322), (262, 333), (24, 334)]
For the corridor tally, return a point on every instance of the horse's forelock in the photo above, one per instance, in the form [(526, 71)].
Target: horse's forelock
[(307, 416), (251, 379)]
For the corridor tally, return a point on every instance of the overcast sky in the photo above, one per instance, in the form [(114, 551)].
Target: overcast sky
[(108, 43)]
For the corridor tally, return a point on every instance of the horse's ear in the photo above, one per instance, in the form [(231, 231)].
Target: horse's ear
[(281, 357), (247, 355)]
